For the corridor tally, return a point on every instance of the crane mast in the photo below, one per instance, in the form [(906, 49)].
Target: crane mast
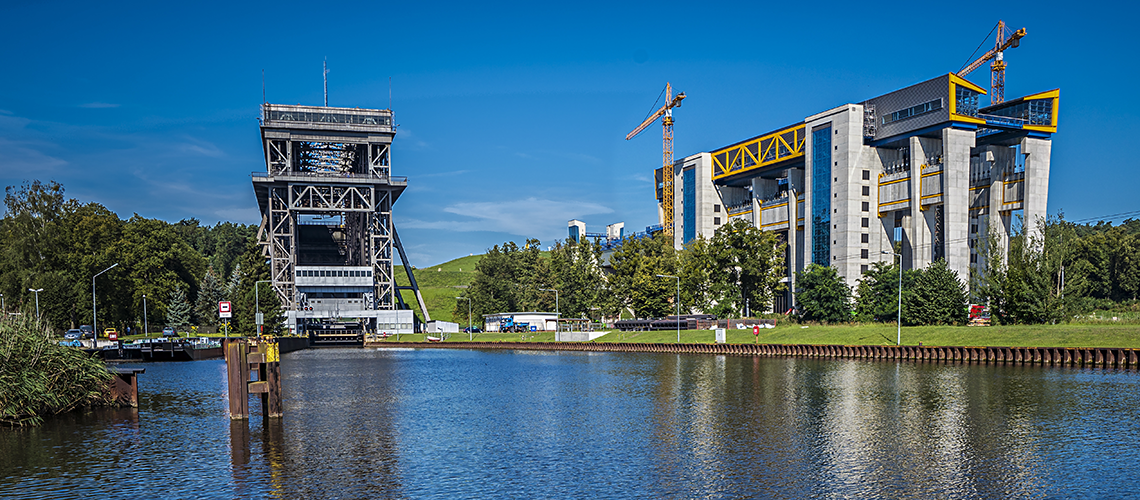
[(1002, 42), (666, 115)]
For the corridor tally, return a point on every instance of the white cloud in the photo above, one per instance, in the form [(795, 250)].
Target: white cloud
[(98, 105), (200, 147), (530, 217)]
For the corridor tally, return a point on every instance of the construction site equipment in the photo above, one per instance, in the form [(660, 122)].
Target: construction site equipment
[(666, 115), (508, 325), (1005, 39)]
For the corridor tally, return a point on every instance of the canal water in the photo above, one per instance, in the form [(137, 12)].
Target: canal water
[(443, 423)]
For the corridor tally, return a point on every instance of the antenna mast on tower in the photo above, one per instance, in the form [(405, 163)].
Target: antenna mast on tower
[(326, 76)]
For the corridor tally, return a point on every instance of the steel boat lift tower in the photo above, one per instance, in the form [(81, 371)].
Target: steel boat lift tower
[(326, 201)]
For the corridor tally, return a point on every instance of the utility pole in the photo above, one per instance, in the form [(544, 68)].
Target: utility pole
[(898, 321), (94, 316), (146, 326)]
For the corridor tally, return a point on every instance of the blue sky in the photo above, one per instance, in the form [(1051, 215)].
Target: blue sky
[(513, 116)]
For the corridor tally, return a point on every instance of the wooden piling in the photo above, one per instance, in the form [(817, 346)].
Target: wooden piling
[(261, 357)]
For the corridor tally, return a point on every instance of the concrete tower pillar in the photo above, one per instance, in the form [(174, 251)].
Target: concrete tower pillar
[(956, 146), (1037, 152), (920, 230)]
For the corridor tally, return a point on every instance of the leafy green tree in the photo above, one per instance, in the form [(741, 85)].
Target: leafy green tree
[(156, 261), (823, 295), (695, 265), (747, 265), (938, 297), (210, 292), (178, 308), (576, 273), (634, 282), (508, 279), (253, 267), (878, 290)]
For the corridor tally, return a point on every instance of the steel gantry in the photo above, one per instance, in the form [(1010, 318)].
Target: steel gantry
[(326, 200)]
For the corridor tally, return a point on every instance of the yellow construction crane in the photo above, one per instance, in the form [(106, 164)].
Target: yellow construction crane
[(666, 114), (1005, 39)]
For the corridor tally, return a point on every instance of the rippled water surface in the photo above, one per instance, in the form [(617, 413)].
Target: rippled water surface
[(441, 423)]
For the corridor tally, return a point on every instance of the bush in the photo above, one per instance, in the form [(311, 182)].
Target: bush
[(39, 377), (822, 295)]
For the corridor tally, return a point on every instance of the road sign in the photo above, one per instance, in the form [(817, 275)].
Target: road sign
[(756, 330), (224, 310), (259, 318)]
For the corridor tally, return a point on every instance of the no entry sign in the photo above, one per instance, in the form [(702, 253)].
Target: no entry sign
[(224, 310), (756, 330)]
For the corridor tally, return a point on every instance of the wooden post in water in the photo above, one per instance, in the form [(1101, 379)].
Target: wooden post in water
[(264, 356)]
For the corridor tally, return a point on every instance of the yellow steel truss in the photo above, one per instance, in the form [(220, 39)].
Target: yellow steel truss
[(759, 152)]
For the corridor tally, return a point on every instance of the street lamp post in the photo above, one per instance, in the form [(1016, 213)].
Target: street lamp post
[(146, 326), (37, 292), (557, 331), (677, 302), (257, 304), (94, 315), (898, 321), (2, 308), (470, 334)]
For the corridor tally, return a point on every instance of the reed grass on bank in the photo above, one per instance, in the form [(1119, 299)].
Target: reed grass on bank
[(39, 377)]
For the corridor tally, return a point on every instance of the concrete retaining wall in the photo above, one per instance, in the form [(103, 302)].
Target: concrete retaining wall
[(1104, 357)]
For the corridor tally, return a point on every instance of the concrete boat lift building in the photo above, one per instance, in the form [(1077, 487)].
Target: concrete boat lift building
[(326, 201), (925, 167)]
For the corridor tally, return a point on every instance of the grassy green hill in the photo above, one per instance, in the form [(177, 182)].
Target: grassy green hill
[(439, 285)]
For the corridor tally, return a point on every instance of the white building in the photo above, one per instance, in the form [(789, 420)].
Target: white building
[(925, 166)]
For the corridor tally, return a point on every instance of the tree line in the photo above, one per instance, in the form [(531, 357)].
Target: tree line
[(183, 269), (1059, 271), (735, 271)]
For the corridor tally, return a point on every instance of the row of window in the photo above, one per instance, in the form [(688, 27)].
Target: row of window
[(334, 274), (921, 109)]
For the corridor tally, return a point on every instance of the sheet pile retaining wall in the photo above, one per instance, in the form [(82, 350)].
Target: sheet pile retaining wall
[(1105, 357)]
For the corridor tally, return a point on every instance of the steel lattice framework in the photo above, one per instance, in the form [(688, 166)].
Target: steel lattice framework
[(329, 164)]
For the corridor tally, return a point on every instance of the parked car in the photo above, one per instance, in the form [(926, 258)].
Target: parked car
[(73, 334), (169, 332), (88, 331), (473, 329), (111, 333)]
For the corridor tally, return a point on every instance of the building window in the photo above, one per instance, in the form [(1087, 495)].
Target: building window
[(863, 268), (866, 238), (866, 175), (913, 111), (821, 158), (973, 228), (716, 208), (688, 205), (866, 190), (866, 222), (864, 253), (716, 221), (965, 101), (973, 258), (866, 206)]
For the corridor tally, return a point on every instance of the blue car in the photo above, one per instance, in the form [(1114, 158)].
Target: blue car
[(73, 334)]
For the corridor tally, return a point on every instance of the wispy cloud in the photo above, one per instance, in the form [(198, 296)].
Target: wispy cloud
[(200, 147), (98, 105), (24, 157), (530, 217)]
